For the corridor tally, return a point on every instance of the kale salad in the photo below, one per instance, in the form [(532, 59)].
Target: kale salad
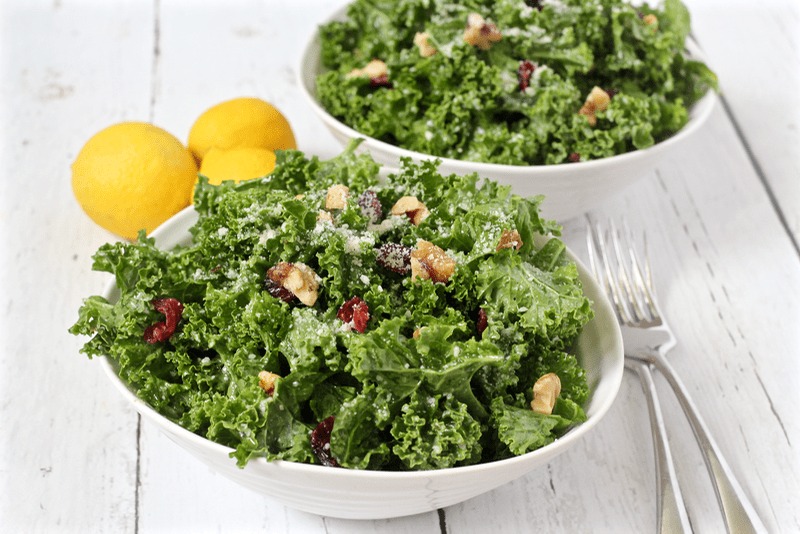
[(326, 316), (518, 82)]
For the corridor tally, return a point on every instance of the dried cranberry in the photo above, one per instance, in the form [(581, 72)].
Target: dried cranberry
[(574, 157), (278, 291), (395, 257), (371, 207), (524, 73), (483, 321), (380, 81), (162, 331), (321, 442), (356, 311), (535, 4), (273, 282)]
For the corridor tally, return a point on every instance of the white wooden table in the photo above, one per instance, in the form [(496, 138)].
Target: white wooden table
[(723, 224)]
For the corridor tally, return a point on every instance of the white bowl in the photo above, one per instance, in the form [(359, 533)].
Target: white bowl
[(355, 494), (571, 189)]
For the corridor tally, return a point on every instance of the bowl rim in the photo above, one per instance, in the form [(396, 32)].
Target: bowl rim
[(698, 115), (183, 220)]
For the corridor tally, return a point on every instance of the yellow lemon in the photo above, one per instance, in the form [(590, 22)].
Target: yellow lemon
[(133, 176), (237, 164), (238, 123)]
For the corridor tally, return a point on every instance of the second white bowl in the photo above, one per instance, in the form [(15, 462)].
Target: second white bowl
[(570, 189)]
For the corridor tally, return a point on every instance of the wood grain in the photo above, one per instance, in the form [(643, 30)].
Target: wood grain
[(68, 442), (722, 224), (755, 50)]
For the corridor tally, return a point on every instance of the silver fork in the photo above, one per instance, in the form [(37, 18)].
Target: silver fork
[(671, 511), (648, 338)]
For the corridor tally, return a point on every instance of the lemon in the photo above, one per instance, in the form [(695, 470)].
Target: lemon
[(133, 176), (237, 164), (241, 122)]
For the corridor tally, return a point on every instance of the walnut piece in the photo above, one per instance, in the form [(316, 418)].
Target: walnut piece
[(596, 101), (337, 197), (510, 238), (279, 272), (413, 208), (651, 20), (425, 48), (266, 381), (479, 33), (545, 391), (374, 69), (429, 262), (298, 278)]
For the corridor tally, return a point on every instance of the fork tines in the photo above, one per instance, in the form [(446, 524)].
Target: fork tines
[(623, 275)]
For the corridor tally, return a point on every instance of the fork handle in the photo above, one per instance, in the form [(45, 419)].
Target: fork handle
[(672, 515), (740, 515)]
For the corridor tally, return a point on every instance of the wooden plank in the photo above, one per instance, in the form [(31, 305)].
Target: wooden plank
[(236, 49), (726, 270), (180, 494), (68, 439), (728, 286), (760, 83)]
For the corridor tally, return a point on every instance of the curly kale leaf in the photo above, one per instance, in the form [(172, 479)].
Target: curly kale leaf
[(436, 432)]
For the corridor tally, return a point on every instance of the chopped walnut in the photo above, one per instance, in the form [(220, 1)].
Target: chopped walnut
[(374, 69), (510, 238), (651, 20), (417, 332), (596, 101), (413, 208), (337, 197), (297, 278), (425, 48), (479, 33), (545, 391), (429, 262), (266, 381)]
